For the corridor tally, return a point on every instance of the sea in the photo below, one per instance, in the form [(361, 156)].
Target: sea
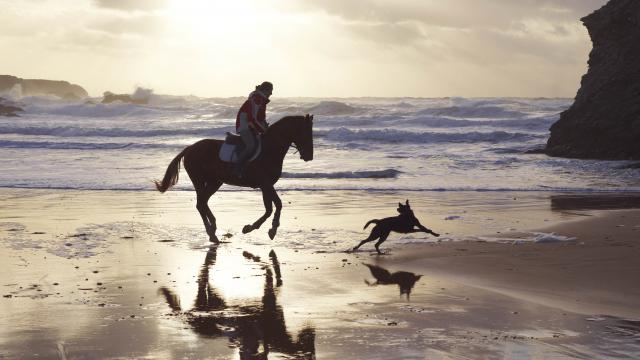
[(451, 144)]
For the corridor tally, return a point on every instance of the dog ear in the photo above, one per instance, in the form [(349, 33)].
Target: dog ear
[(400, 205), (407, 203)]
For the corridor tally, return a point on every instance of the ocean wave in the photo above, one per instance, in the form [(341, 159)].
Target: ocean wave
[(367, 174), (332, 108), (75, 131), (541, 123), (490, 112), (400, 136), (93, 110), (12, 144)]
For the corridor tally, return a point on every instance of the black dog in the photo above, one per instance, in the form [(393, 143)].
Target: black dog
[(403, 223)]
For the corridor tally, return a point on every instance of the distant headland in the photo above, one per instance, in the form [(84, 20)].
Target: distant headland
[(40, 87)]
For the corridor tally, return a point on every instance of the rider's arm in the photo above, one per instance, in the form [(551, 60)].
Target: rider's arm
[(258, 109)]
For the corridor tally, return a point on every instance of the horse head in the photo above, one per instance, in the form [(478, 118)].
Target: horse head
[(303, 137), (296, 131)]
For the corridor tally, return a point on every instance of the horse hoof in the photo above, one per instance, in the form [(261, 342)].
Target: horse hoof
[(272, 233), (214, 239), (247, 229)]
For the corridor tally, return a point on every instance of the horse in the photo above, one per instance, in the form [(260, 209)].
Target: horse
[(207, 172)]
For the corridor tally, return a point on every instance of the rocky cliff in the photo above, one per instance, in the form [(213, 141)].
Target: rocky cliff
[(38, 87), (604, 120), (8, 108)]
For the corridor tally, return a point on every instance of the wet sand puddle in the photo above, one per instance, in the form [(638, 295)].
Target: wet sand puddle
[(127, 290)]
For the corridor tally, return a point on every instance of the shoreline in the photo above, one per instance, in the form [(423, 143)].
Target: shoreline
[(105, 268)]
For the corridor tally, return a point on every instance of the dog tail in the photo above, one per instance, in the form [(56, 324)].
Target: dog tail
[(375, 221)]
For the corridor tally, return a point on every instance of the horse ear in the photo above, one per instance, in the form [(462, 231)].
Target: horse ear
[(400, 205), (407, 202)]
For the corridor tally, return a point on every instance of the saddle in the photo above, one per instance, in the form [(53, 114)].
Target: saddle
[(232, 145)]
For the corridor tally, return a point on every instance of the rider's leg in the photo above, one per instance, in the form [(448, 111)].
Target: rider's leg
[(250, 144), (247, 138)]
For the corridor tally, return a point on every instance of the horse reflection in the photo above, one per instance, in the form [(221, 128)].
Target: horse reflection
[(405, 280), (247, 326)]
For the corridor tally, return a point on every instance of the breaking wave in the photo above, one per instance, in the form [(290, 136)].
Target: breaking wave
[(82, 145), (401, 136), (371, 174)]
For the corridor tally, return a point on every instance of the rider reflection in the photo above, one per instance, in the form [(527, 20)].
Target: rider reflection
[(246, 326)]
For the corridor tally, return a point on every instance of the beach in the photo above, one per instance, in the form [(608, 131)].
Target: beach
[(131, 274)]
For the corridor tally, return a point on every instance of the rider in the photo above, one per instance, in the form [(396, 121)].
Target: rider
[(251, 122)]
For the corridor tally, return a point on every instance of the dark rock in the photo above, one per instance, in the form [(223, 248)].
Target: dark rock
[(604, 120), (536, 151), (39, 87), (7, 108), (140, 97), (109, 97)]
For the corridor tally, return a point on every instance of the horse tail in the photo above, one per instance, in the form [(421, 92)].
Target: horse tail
[(171, 175), (375, 221)]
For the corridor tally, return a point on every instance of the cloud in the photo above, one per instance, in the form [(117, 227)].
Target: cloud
[(132, 5), (489, 30), (454, 13), (139, 24)]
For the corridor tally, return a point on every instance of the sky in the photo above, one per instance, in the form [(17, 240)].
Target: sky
[(328, 48)]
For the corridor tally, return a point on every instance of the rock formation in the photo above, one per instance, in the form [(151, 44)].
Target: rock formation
[(109, 97), (604, 120), (8, 109), (140, 96), (38, 87)]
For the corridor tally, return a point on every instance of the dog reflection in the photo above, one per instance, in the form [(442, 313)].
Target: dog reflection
[(405, 280), (247, 326)]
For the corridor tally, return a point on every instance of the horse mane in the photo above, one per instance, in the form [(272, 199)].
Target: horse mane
[(283, 121)]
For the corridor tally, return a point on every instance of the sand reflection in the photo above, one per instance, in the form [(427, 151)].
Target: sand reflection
[(256, 329), (404, 279)]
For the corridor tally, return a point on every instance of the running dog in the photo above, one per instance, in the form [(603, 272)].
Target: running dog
[(404, 223)]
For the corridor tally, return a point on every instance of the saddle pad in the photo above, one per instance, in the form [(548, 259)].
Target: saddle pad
[(228, 154)]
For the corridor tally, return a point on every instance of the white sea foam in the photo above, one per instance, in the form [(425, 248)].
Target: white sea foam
[(370, 174), (551, 238), (332, 108), (399, 136)]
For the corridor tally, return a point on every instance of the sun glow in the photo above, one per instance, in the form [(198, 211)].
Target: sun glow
[(228, 21)]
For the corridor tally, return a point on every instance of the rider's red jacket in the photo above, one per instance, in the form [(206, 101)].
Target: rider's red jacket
[(255, 107)]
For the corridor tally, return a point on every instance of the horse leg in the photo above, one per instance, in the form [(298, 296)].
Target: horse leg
[(268, 209), (276, 216), (201, 205), (210, 190), (203, 194)]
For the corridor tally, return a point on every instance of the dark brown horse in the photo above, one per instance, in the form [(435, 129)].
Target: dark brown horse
[(208, 173)]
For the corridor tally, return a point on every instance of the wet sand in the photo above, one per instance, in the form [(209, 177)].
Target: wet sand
[(91, 274)]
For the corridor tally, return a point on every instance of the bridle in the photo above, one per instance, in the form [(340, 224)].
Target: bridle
[(293, 145)]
